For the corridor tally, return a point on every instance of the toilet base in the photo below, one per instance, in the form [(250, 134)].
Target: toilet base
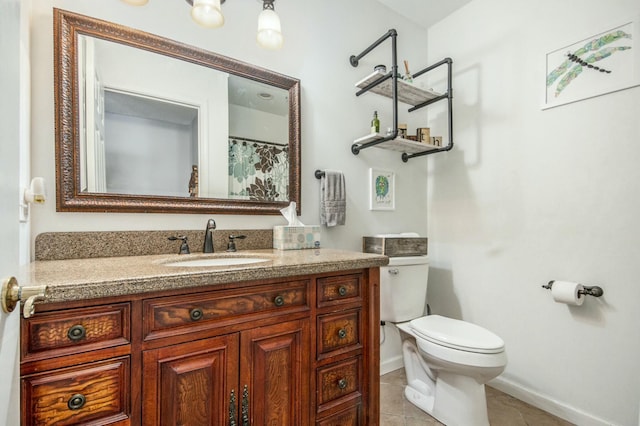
[(460, 401), (453, 399)]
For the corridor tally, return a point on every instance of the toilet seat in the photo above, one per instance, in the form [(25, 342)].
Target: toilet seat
[(456, 334), (434, 350)]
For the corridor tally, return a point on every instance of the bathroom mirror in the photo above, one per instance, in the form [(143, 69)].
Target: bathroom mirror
[(146, 124)]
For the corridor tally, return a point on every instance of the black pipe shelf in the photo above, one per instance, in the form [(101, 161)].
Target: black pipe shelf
[(408, 93), (390, 85), (397, 144)]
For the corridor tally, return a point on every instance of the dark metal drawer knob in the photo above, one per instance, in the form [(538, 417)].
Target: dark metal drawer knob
[(342, 333), (342, 290), (196, 314), (76, 333), (278, 301), (76, 402), (342, 384)]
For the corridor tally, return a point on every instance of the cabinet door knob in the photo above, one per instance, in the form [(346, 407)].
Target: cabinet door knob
[(278, 301), (76, 333), (76, 402), (196, 314), (342, 333), (342, 383), (342, 290)]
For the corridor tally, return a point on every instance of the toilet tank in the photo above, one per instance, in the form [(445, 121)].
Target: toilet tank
[(403, 288)]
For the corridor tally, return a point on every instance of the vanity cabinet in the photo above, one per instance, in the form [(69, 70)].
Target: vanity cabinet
[(293, 351)]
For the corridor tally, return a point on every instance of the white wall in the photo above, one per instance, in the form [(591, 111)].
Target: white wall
[(180, 82), (317, 49), (530, 196), (264, 125), (146, 156)]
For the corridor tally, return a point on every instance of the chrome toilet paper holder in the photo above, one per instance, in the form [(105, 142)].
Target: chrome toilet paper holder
[(594, 291)]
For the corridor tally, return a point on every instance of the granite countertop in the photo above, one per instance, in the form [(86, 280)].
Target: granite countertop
[(78, 279)]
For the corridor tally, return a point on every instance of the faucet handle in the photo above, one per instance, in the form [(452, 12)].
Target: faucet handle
[(184, 247), (231, 245)]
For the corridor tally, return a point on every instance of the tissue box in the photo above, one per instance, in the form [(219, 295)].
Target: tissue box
[(395, 246), (296, 237)]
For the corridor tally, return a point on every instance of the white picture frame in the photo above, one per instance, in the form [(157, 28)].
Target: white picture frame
[(606, 61), (382, 190)]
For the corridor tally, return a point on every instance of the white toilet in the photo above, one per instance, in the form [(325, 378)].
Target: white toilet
[(447, 361)]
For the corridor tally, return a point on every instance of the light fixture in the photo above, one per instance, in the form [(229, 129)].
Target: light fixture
[(269, 31), (35, 194), (136, 2), (208, 13)]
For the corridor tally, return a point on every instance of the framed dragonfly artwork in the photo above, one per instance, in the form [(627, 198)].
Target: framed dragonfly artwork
[(602, 63)]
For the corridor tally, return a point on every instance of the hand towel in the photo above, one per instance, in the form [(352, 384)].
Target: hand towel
[(333, 198)]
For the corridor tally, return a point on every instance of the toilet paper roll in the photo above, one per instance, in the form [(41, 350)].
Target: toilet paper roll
[(567, 292)]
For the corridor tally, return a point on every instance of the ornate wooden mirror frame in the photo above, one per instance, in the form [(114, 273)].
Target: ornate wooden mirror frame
[(70, 198)]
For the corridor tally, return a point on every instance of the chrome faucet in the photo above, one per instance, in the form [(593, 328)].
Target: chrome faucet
[(208, 236)]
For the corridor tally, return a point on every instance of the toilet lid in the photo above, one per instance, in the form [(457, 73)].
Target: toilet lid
[(457, 334)]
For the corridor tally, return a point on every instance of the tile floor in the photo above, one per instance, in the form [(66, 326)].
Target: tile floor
[(504, 410)]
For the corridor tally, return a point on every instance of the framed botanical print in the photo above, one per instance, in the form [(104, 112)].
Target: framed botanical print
[(382, 192)]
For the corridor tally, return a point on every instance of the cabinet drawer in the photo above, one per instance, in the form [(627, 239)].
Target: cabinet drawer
[(50, 334), (92, 393), (221, 308), (339, 382), (348, 417), (340, 289), (338, 331)]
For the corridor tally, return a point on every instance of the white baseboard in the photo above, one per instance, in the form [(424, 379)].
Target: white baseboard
[(543, 402), (389, 365)]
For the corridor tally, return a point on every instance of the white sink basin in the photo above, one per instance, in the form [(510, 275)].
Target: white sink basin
[(217, 261)]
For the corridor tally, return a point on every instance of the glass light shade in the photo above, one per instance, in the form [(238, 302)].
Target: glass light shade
[(207, 13), (269, 32), (136, 2)]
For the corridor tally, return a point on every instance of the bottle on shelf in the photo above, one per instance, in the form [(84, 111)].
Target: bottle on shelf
[(407, 75), (375, 123)]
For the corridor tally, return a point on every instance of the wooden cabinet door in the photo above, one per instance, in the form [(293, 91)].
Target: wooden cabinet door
[(190, 384), (275, 363)]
